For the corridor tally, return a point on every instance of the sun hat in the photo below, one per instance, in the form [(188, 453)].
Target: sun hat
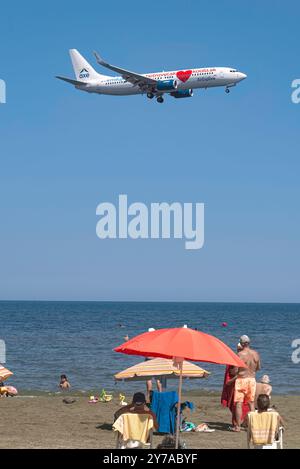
[(265, 379)]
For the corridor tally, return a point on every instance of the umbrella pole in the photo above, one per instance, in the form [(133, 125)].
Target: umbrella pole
[(179, 406)]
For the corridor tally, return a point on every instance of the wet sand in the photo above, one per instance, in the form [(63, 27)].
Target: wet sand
[(46, 422)]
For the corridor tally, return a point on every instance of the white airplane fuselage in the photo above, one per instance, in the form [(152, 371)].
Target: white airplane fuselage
[(185, 80), (178, 83)]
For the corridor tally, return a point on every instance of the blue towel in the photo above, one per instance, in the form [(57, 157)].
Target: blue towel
[(164, 407)]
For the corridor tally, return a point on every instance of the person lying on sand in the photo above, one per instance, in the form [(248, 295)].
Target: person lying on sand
[(137, 406), (64, 383)]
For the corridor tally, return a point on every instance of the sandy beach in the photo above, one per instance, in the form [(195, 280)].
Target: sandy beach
[(46, 422)]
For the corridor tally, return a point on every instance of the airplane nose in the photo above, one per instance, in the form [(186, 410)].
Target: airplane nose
[(242, 76)]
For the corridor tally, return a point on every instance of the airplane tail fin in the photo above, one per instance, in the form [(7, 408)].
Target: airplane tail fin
[(84, 72)]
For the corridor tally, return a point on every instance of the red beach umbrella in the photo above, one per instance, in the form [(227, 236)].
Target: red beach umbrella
[(181, 343)]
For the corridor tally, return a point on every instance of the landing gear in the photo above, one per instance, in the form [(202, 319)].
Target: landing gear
[(227, 90), (150, 95), (160, 99)]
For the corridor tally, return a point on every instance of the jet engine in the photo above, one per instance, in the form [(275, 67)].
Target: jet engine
[(182, 94), (166, 85)]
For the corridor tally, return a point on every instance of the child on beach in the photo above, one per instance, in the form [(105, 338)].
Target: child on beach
[(64, 383)]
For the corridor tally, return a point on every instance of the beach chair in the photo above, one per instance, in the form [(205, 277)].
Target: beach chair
[(134, 431), (264, 431)]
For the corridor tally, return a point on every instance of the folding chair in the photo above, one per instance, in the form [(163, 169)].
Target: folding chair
[(134, 431)]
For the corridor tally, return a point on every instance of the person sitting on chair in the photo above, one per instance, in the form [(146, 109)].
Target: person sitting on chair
[(137, 406), (264, 425)]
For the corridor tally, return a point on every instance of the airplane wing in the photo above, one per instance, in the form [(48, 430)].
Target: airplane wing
[(73, 82), (132, 77)]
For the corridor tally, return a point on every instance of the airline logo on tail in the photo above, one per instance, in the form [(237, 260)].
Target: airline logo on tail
[(84, 73)]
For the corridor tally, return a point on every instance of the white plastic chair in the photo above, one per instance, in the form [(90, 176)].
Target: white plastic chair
[(276, 444)]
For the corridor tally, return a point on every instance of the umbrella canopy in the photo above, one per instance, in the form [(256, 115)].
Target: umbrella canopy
[(4, 373), (161, 367), (181, 342)]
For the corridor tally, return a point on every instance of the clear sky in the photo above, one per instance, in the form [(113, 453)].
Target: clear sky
[(62, 152)]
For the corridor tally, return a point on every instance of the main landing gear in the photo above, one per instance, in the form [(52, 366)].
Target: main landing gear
[(159, 98)]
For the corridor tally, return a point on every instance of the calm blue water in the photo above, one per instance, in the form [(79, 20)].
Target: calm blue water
[(45, 339)]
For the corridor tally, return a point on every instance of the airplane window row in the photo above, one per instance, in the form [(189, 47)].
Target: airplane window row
[(203, 73)]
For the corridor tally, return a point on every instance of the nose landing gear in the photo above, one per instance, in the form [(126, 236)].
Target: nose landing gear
[(227, 90)]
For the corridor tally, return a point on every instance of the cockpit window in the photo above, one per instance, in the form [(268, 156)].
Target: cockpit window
[(233, 70)]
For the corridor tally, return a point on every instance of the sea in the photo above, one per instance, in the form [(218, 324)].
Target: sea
[(45, 339)]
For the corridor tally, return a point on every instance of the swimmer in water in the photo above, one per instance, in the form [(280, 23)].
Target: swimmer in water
[(64, 383)]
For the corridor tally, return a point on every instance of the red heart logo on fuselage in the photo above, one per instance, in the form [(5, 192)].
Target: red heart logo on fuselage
[(184, 75)]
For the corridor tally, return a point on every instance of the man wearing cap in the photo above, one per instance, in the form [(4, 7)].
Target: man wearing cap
[(137, 406), (245, 384)]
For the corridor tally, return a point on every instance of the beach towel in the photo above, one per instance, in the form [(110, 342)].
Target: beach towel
[(164, 407), (134, 427), (263, 427), (227, 398)]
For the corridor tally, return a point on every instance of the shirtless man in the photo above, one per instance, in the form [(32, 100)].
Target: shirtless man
[(138, 406), (245, 384)]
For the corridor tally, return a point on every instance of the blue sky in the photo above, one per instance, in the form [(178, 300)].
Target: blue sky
[(62, 152)]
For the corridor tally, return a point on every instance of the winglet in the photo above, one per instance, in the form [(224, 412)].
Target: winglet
[(99, 59)]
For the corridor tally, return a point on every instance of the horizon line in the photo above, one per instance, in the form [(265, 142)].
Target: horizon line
[(154, 301)]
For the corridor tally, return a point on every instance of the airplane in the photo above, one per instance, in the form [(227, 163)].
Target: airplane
[(178, 83)]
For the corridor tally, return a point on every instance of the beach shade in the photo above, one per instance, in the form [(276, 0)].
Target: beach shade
[(179, 344), (4, 373), (161, 367)]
